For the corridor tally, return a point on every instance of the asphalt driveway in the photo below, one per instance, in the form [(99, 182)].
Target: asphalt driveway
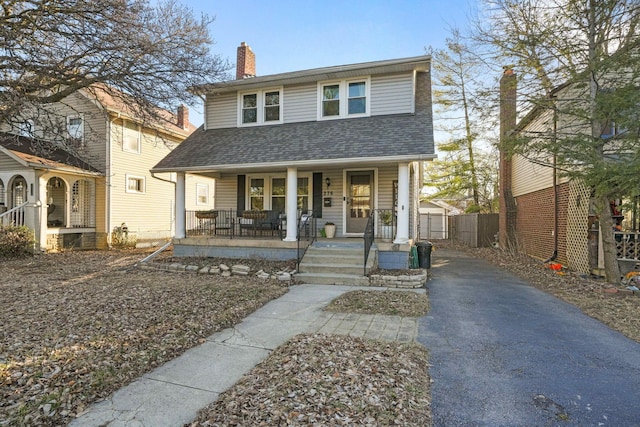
[(506, 354)]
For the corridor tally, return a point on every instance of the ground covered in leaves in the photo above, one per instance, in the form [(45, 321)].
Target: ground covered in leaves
[(389, 302), (329, 380), (76, 326)]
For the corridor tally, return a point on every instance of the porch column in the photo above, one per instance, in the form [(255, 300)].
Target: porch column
[(41, 209), (180, 208), (292, 205), (402, 232)]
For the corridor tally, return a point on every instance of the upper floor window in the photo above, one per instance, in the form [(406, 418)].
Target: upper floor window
[(75, 128), (26, 128), (260, 107), (345, 98), (130, 137)]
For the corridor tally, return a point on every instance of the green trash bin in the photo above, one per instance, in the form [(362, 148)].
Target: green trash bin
[(424, 254)]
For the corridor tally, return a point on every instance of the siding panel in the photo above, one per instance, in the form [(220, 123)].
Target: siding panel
[(300, 103), (222, 111), (392, 94)]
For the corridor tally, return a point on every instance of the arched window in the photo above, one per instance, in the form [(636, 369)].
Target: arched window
[(2, 194), (82, 204)]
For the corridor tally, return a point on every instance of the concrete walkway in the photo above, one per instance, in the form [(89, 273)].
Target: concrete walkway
[(503, 353), (172, 394)]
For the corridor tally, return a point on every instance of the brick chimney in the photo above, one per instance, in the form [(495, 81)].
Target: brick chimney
[(183, 116), (508, 208), (246, 63)]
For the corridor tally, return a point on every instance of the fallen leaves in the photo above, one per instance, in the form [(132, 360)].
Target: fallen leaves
[(388, 302), (76, 326)]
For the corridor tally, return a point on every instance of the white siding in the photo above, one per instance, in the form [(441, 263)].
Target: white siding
[(191, 183), (386, 176), (300, 103), (392, 94), (222, 111)]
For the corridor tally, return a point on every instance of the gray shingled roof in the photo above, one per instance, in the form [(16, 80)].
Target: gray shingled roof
[(371, 137)]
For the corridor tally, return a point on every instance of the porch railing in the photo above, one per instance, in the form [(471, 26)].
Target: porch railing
[(232, 224), (14, 216), (308, 232), (627, 245), (386, 224), (368, 235)]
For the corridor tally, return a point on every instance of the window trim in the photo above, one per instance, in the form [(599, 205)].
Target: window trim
[(124, 146), (142, 179), (199, 186), (76, 116), (260, 106), (343, 97), (268, 189)]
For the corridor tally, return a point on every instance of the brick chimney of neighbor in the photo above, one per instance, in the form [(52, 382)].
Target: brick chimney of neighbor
[(183, 116), (246, 63), (508, 208)]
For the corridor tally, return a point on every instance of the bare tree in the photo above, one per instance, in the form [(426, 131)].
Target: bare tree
[(142, 55)]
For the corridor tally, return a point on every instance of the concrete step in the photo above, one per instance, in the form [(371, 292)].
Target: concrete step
[(339, 268), (330, 258), (333, 279)]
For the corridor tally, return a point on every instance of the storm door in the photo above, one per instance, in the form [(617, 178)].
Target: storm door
[(359, 200)]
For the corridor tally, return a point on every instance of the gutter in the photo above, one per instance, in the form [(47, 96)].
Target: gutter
[(302, 163)]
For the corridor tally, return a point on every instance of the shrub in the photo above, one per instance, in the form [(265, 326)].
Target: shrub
[(120, 238), (16, 241)]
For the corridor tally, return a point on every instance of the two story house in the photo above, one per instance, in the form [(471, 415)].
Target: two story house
[(81, 174), (339, 142)]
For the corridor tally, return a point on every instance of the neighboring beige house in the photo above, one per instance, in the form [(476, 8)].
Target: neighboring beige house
[(434, 215), (77, 196), (343, 143)]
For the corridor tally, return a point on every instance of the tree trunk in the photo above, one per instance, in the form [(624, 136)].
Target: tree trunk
[(611, 268)]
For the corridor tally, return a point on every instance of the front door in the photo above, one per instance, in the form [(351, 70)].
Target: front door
[(359, 200)]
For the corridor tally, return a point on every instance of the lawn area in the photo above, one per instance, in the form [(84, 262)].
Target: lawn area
[(76, 326)]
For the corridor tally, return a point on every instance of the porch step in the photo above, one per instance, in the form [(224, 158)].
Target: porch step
[(333, 279), (339, 263)]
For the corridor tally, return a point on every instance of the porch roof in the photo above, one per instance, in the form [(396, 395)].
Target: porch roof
[(400, 137), (46, 156)]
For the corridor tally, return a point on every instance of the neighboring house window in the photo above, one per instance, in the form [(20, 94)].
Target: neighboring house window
[(278, 192), (346, 98), (611, 129), (82, 204), (135, 184), (26, 128), (131, 137), (261, 107), (75, 128), (202, 194), (303, 194)]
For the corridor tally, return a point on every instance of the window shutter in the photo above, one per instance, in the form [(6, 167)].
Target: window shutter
[(317, 194), (240, 194)]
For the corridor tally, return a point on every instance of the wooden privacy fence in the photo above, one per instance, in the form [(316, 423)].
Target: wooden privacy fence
[(474, 230)]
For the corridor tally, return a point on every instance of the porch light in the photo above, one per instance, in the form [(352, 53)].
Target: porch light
[(328, 182)]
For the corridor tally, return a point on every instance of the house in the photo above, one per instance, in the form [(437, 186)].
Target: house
[(341, 142), (82, 173), (434, 216), (547, 215)]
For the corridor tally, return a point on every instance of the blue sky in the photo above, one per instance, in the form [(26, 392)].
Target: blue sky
[(288, 35)]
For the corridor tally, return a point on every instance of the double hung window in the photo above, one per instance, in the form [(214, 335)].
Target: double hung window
[(344, 98), (261, 107), (75, 128)]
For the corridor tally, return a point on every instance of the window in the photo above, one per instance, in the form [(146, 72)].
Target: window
[(269, 193), (75, 128), (26, 128), (611, 129), (135, 184), (331, 100), (260, 107), (130, 137), (271, 106), (256, 194), (346, 98), (202, 194), (250, 108)]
